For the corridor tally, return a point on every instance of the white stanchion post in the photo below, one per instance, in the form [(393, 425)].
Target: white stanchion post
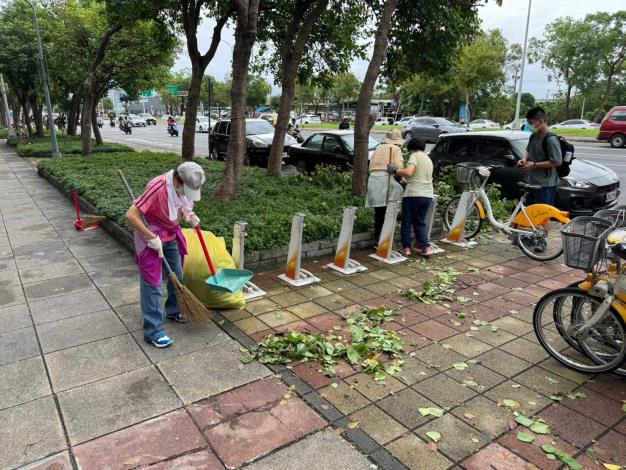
[(385, 252), (431, 218), (455, 235), (342, 261), (294, 274), (250, 291)]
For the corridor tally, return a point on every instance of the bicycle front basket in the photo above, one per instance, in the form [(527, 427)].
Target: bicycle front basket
[(583, 241), (616, 215), (466, 172)]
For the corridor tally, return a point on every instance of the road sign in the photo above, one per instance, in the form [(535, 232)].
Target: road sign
[(143, 100), (183, 93), (173, 89), (147, 93)]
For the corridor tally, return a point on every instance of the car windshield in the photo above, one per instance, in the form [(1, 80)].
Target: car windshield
[(445, 122), (349, 140), (520, 145), (258, 127)]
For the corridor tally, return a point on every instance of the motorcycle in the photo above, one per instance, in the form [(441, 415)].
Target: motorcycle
[(126, 127), (112, 122), (296, 134), (173, 130)]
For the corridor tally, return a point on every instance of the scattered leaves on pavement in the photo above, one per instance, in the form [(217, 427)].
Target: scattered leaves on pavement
[(438, 412), (353, 425), (564, 457), (540, 427), (434, 435), (460, 365), (574, 396), (469, 415), (524, 421), (510, 403)]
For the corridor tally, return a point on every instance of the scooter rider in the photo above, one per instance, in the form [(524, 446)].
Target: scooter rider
[(166, 197)]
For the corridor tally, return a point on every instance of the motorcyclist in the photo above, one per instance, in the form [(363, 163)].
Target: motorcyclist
[(344, 124)]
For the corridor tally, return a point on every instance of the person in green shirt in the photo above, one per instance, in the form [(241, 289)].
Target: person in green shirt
[(418, 197)]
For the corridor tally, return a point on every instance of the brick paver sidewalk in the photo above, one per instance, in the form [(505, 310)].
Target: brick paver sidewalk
[(78, 384)]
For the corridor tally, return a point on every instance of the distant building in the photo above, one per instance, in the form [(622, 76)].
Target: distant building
[(153, 104)]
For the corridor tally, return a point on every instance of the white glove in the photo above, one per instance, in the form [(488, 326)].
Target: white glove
[(192, 219), (156, 244)]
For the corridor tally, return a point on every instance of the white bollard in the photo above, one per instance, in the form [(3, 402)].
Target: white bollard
[(385, 252), (294, 274), (342, 261), (455, 235), (431, 217), (250, 291)]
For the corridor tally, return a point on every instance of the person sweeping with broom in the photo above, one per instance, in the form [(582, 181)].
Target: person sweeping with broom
[(166, 198)]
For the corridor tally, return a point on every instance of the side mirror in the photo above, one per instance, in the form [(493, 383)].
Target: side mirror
[(436, 126), (337, 149)]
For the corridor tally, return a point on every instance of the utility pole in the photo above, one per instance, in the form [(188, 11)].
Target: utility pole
[(521, 75), (6, 106), (582, 111), (44, 81)]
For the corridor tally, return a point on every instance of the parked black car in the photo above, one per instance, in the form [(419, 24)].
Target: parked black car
[(430, 128), (588, 188), (259, 136), (329, 148)]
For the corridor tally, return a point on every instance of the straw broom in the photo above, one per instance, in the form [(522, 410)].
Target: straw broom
[(89, 220), (189, 305)]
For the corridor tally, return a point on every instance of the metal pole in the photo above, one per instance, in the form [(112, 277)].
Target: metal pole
[(209, 133), (44, 80), (582, 111), (521, 75), (6, 105)]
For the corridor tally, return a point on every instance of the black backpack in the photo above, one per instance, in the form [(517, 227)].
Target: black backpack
[(567, 153)]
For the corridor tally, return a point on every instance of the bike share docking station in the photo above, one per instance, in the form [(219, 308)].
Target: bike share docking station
[(455, 235), (385, 252), (294, 274), (250, 290), (342, 261)]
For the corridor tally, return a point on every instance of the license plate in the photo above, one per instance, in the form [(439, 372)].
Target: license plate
[(611, 195)]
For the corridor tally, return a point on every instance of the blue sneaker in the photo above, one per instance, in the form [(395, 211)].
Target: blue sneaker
[(162, 341), (177, 317)]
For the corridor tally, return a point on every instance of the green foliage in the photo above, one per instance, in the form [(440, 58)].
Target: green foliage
[(43, 148), (267, 204), (437, 290), (368, 342), (4, 133)]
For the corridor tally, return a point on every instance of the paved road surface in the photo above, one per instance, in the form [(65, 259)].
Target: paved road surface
[(156, 136)]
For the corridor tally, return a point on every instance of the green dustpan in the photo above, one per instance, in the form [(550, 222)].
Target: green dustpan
[(229, 280)]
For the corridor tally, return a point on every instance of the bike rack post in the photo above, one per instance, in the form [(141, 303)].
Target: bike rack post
[(455, 235), (250, 290), (430, 216), (342, 261), (385, 252), (294, 274)]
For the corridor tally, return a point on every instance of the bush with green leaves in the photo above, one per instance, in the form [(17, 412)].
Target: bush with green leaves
[(42, 148), (4, 133), (266, 203)]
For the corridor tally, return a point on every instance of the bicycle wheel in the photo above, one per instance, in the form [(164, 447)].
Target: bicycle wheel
[(556, 319), (540, 244), (473, 222)]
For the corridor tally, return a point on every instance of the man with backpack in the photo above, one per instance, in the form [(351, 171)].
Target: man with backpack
[(544, 161)]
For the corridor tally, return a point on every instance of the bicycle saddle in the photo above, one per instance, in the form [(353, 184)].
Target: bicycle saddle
[(619, 250), (523, 185)]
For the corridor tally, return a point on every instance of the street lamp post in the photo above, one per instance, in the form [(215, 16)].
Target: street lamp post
[(209, 133), (44, 81), (521, 75)]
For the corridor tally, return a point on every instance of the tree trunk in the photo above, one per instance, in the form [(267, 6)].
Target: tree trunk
[(605, 96), (361, 130), (94, 124), (37, 117), (71, 117), (291, 52), (567, 102), (27, 120), (245, 35), (189, 129), (16, 115), (88, 88)]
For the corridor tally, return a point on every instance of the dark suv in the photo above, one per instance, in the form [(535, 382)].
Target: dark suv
[(259, 136), (588, 188)]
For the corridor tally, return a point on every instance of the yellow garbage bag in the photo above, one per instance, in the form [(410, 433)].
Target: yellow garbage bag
[(196, 270)]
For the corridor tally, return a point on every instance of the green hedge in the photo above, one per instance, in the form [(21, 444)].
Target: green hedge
[(267, 204), (4, 133), (72, 146)]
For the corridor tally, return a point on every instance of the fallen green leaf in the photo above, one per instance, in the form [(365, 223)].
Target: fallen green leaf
[(524, 437), (438, 412), (460, 365), (510, 403), (434, 435), (540, 427), (524, 421)]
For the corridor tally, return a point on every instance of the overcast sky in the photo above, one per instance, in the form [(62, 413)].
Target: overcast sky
[(510, 18)]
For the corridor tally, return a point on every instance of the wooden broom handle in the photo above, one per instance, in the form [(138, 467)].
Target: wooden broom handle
[(206, 252)]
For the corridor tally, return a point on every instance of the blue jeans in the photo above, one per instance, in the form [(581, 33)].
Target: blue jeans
[(414, 212), (152, 297), (545, 195)]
